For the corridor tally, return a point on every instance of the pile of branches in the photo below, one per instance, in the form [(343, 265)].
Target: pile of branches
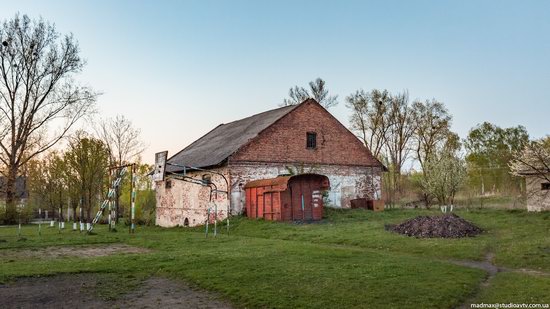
[(444, 226)]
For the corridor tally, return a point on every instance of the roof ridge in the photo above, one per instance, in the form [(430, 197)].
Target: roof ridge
[(290, 107)]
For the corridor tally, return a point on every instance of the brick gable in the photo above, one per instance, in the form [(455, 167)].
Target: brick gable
[(285, 141)]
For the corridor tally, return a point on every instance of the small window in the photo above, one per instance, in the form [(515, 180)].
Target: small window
[(311, 140), (545, 186), (168, 184)]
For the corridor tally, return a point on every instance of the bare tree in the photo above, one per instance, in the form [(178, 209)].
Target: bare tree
[(401, 128), (317, 90), (37, 92), (368, 118), (123, 143), (121, 138), (432, 133), (386, 124), (432, 129), (533, 161)]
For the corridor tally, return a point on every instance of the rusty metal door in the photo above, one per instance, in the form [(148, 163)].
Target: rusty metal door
[(306, 194), (296, 201), (301, 199)]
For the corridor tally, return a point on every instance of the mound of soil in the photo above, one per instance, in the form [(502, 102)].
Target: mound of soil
[(444, 226)]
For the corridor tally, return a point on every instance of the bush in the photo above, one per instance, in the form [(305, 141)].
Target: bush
[(26, 212)]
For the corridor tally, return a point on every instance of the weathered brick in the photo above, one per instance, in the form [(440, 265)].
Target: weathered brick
[(281, 148)]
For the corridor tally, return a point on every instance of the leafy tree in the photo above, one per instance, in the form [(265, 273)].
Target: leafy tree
[(443, 176), (37, 93), (88, 160), (48, 182), (317, 90), (145, 195), (490, 149)]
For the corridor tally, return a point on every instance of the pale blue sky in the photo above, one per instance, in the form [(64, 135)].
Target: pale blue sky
[(179, 68)]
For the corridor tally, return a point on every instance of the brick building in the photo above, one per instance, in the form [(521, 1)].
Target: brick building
[(298, 139)]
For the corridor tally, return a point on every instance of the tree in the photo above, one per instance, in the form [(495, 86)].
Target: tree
[(490, 149), (432, 134), (534, 164), (123, 144), (145, 195), (48, 181), (433, 124), (444, 175), (386, 124), (122, 140), (37, 92), (88, 159), (533, 160), (368, 118), (401, 128), (317, 90)]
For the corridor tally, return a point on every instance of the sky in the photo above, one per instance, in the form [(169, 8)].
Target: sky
[(177, 69)]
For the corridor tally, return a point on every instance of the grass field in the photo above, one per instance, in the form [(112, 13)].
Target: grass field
[(347, 260)]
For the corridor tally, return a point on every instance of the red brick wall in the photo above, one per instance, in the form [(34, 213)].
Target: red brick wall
[(285, 141)]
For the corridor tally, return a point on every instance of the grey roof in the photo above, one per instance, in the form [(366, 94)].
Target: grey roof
[(217, 145)]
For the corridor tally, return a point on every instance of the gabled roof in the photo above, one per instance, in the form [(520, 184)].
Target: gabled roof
[(216, 146)]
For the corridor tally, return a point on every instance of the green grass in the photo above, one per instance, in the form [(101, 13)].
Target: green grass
[(347, 260), (517, 288)]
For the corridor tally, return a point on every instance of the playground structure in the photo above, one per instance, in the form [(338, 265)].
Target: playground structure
[(116, 174), (160, 173)]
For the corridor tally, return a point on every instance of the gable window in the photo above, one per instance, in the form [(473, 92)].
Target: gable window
[(545, 186), (311, 140)]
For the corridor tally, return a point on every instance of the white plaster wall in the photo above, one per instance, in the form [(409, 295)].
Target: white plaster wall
[(188, 200), (537, 199), (346, 182)]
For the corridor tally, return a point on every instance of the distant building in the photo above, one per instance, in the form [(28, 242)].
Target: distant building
[(538, 192), (21, 191), (300, 139)]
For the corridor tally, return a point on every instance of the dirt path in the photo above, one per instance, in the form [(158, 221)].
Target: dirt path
[(486, 265), (80, 291), (491, 269), (165, 293)]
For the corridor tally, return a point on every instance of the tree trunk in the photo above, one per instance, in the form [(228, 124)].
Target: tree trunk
[(11, 198)]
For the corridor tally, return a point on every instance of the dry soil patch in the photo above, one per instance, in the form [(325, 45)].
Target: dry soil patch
[(73, 251), (80, 291)]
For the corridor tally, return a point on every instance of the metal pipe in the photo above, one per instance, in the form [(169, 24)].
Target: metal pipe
[(207, 219), (133, 199), (228, 188)]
